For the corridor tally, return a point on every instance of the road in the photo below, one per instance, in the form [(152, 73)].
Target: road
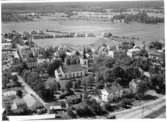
[(29, 90), (143, 111)]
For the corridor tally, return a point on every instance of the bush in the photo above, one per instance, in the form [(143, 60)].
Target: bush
[(109, 107), (85, 111), (125, 102), (71, 113)]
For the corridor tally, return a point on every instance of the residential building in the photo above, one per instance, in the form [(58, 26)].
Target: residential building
[(110, 93), (134, 85), (133, 51), (70, 71)]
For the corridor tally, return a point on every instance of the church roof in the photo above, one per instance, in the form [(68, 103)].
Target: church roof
[(73, 68)]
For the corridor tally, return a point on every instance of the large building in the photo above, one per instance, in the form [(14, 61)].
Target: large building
[(72, 71)]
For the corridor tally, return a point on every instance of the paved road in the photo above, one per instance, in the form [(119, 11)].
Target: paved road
[(29, 90), (141, 111)]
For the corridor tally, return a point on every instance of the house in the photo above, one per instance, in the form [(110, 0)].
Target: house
[(110, 93), (154, 54), (133, 51), (24, 51), (73, 70), (134, 85), (31, 62), (147, 74), (111, 53), (6, 45), (56, 108), (104, 95), (70, 71), (8, 58), (9, 93), (84, 62)]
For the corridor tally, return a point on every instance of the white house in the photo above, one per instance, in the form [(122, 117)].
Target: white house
[(111, 53), (133, 85), (130, 52), (104, 95), (110, 93)]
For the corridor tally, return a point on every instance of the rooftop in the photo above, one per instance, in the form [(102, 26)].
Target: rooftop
[(72, 68)]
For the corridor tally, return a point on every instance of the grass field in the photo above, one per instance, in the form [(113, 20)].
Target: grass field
[(146, 32)]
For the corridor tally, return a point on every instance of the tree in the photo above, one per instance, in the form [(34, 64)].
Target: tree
[(55, 65), (95, 107), (8, 109), (122, 59), (132, 73), (5, 80), (132, 43), (110, 62), (26, 35), (77, 84), (143, 63), (25, 74), (18, 68), (115, 73), (73, 60), (69, 85), (77, 53), (99, 77), (62, 55), (156, 45), (32, 77), (89, 51), (4, 116), (14, 78), (19, 93), (47, 94), (68, 60), (126, 101), (142, 88), (99, 85), (48, 53), (144, 53), (127, 45), (118, 72), (22, 109), (71, 112), (89, 81), (108, 76), (127, 93), (51, 84), (158, 82), (85, 111)]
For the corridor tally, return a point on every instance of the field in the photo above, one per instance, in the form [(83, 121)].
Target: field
[(145, 32)]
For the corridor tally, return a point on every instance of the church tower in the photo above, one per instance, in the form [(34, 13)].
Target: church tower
[(84, 60)]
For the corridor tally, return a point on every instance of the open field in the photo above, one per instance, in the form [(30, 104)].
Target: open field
[(145, 32), (68, 41)]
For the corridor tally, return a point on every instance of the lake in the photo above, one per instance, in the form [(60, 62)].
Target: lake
[(146, 32)]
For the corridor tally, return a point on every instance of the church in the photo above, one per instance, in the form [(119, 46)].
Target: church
[(66, 72)]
